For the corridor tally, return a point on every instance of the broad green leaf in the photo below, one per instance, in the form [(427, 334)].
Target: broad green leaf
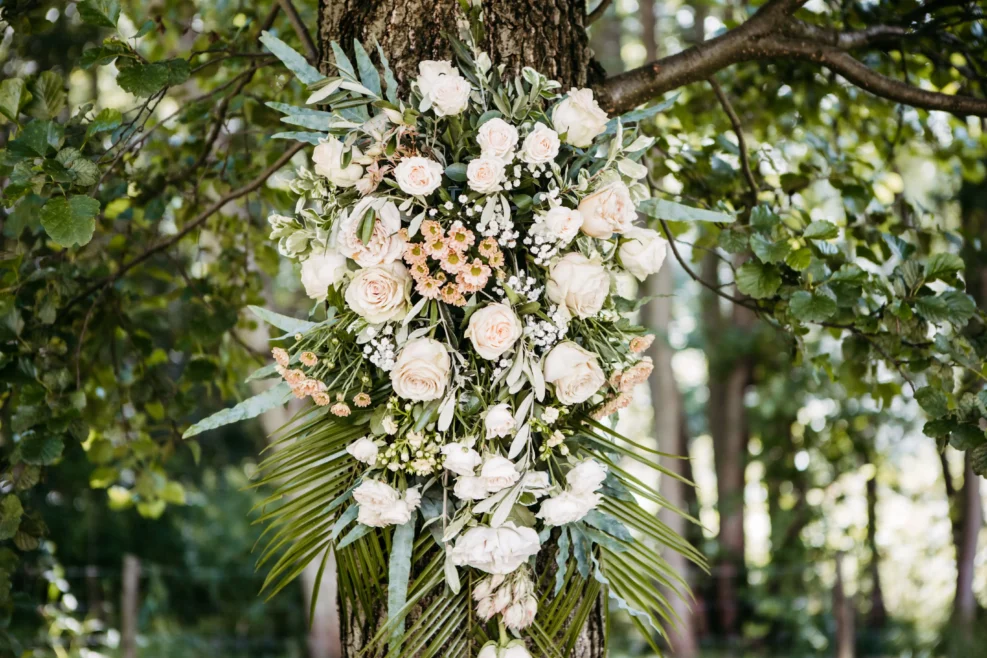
[(106, 120), (637, 116), (36, 138), (389, 81), (295, 62), (41, 450), (70, 221), (283, 322), (47, 96), (671, 211), (763, 218), (102, 13), (11, 512), (398, 577), (143, 80), (12, 95), (342, 62), (368, 73), (951, 306), (933, 401), (815, 306), (456, 171), (758, 280), (800, 259), (301, 136), (942, 266), (178, 71), (250, 408), (821, 230), (84, 171), (768, 251), (732, 241)]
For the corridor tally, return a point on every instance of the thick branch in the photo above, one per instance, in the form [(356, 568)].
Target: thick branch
[(597, 13), (299, 26)]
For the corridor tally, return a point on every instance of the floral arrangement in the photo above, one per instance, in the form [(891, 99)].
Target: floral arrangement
[(473, 246)]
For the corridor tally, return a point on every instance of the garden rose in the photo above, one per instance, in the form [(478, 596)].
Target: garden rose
[(498, 473), (328, 160), (429, 71), (493, 330), (515, 650), (485, 174), (469, 487), (579, 118), (574, 372), (385, 244), (607, 211), (499, 421), (495, 550), (567, 507), (418, 176), (579, 284), (363, 450), (378, 294), (461, 459), (497, 139), (421, 371), (445, 88), (488, 651), (540, 146), (586, 477), (536, 482), (562, 224), (642, 252), (381, 505), (321, 271)]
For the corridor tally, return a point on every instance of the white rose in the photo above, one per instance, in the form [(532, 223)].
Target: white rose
[(444, 87), (363, 450), (493, 330), (642, 251), (495, 550), (418, 176), (567, 507), (469, 487), (429, 72), (574, 372), (515, 650), (561, 224), (498, 473), (499, 421), (607, 211), (385, 244), (378, 294), (382, 505), (485, 174), (586, 477), (536, 482), (328, 160), (579, 118), (488, 651), (579, 284), (497, 139), (321, 271), (461, 459), (421, 370), (540, 146)]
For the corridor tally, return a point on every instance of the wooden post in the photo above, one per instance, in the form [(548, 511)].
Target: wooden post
[(843, 612), (129, 605)]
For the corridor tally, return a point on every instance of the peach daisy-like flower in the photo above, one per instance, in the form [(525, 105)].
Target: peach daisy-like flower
[(429, 287), (362, 400), (308, 358), (453, 261), (281, 357), (612, 405), (476, 274), (432, 230), (488, 247), (420, 271), (496, 259), (436, 247), (322, 399), (340, 409), (641, 343), (636, 374), (415, 253), (452, 295), (460, 238), (295, 377)]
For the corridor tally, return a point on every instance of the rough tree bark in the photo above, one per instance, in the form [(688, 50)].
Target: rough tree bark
[(549, 35)]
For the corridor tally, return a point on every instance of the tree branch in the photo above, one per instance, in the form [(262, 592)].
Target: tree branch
[(299, 26), (738, 129), (597, 13), (190, 226)]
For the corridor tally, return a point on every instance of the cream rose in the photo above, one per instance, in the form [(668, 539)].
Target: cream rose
[(567, 507), (461, 459), (642, 252), (536, 482), (607, 211), (321, 271), (488, 651), (540, 146), (381, 505), (493, 330), (498, 421), (485, 174), (574, 371), (418, 176), (579, 284), (497, 139), (421, 371), (579, 118), (385, 244), (561, 224), (586, 477), (328, 160), (496, 550), (363, 450), (469, 487), (498, 473), (444, 87), (381, 293), (429, 72)]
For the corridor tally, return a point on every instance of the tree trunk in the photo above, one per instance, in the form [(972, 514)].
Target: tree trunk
[(971, 520), (548, 35), (877, 616)]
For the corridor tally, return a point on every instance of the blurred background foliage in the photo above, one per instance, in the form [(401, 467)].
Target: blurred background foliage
[(832, 523)]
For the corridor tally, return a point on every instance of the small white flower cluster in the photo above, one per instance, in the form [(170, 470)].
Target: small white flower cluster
[(544, 334), (497, 225), (382, 350), (543, 248), (523, 285)]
